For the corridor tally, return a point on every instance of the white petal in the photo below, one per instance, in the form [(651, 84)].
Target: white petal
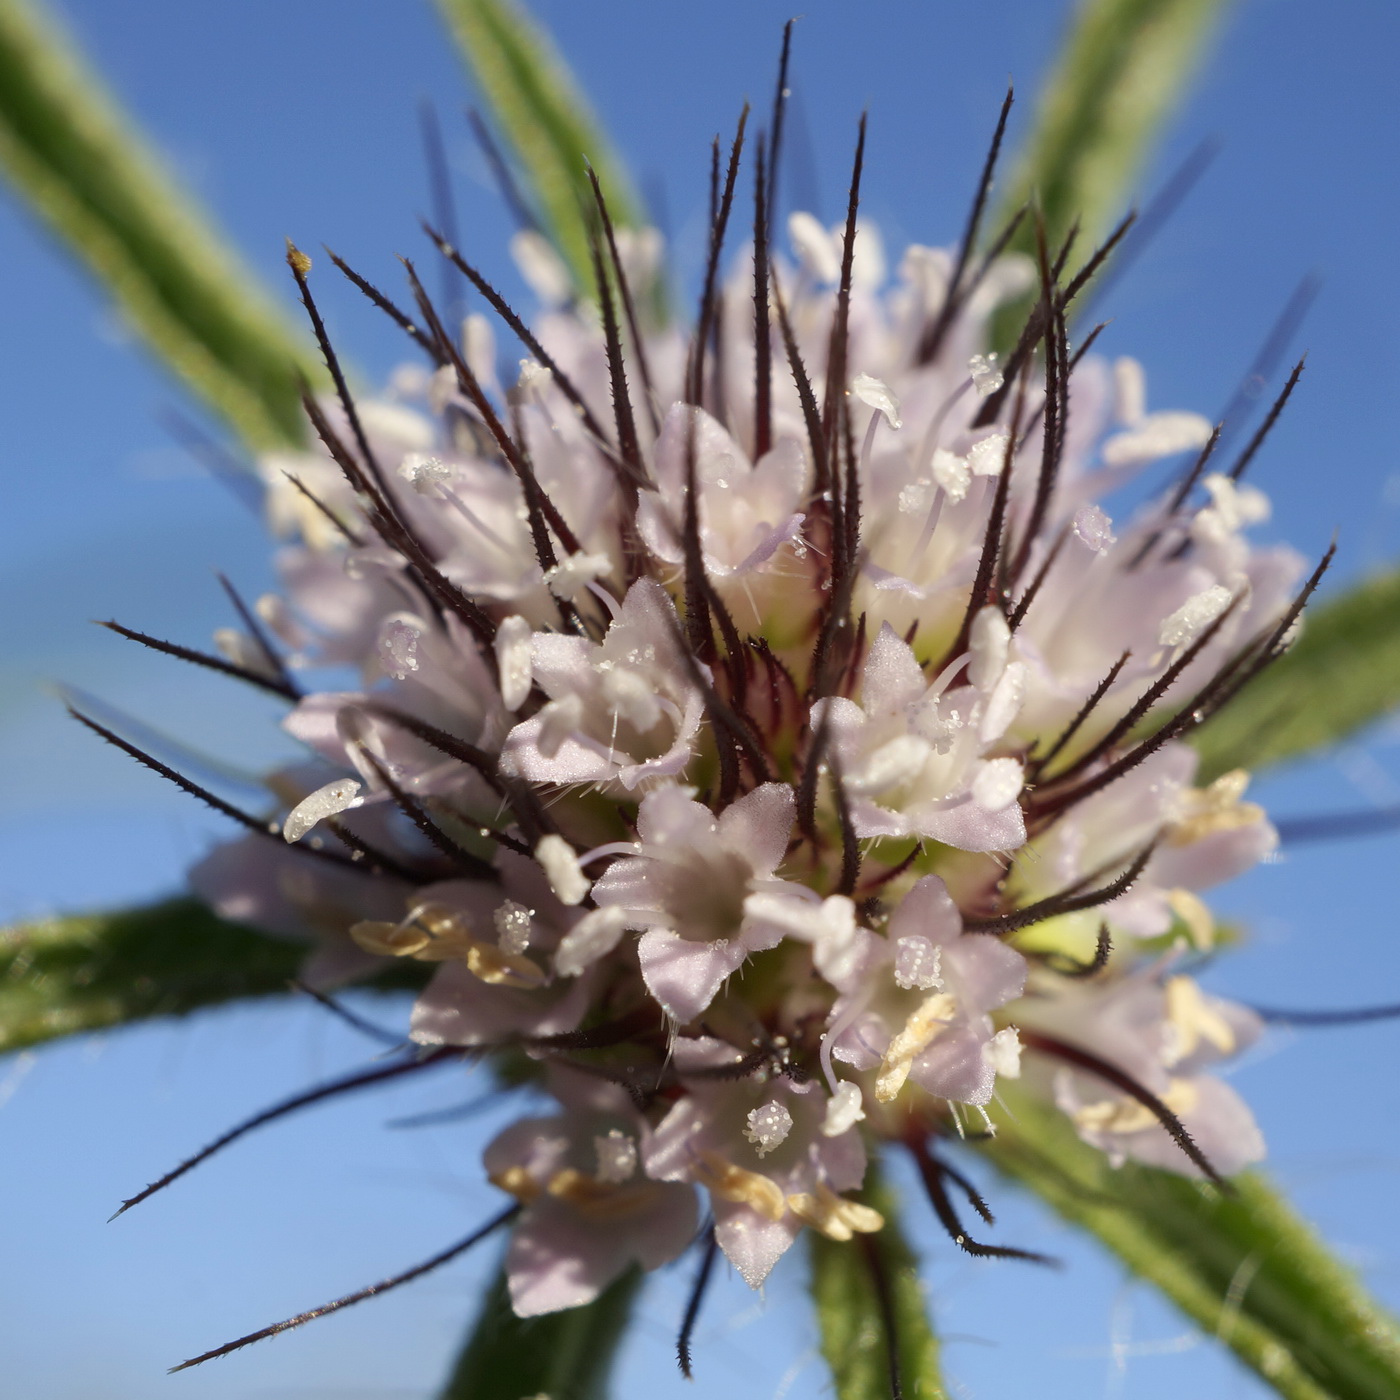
[(1130, 390), (814, 246), (593, 937), (541, 267), (997, 784), (1158, 435)]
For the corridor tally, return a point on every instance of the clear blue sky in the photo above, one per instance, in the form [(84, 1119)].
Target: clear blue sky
[(299, 117)]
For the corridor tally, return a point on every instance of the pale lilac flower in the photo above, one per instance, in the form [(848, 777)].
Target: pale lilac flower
[(703, 890), (757, 763)]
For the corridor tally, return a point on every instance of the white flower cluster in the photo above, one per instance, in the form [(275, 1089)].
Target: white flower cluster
[(770, 738)]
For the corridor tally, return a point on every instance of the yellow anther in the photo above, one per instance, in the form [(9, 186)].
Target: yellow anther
[(1192, 1019), (389, 940), (517, 1182), (1129, 1116), (1203, 812), (601, 1200), (1192, 910), (731, 1183), (496, 966), (919, 1032), (441, 921), (836, 1217)]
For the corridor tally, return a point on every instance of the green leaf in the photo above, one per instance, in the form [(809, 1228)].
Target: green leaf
[(79, 163), (1123, 68), (1246, 1267), (849, 1314), (66, 975), (533, 98), (1342, 673), (564, 1355), (1121, 73)]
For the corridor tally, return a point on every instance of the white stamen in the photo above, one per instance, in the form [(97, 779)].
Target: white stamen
[(986, 377), (398, 647), (918, 963), (533, 376), (988, 457), (878, 396), (1094, 528), (561, 869), (1002, 1053), (338, 796), (425, 474), (577, 571), (952, 473), (513, 929), (768, 1127), (844, 1109), (514, 643), (1194, 616), (617, 1157)]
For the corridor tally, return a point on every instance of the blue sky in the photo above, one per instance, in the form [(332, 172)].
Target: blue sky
[(300, 118)]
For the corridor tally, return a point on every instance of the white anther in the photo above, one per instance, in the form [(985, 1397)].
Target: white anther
[(768, 1127), (398, 646), (952, 473), (988, 457), (577, 571), (513, 927), (1002, 1053), (338, 796), (560, 864), (987, 377), (878, 396), (844, 1109), (1194, 616), (425, 474), (918, 963), (617, 1157), (1094, 528)]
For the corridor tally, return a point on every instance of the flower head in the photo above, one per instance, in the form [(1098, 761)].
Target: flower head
[(770, 739)]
